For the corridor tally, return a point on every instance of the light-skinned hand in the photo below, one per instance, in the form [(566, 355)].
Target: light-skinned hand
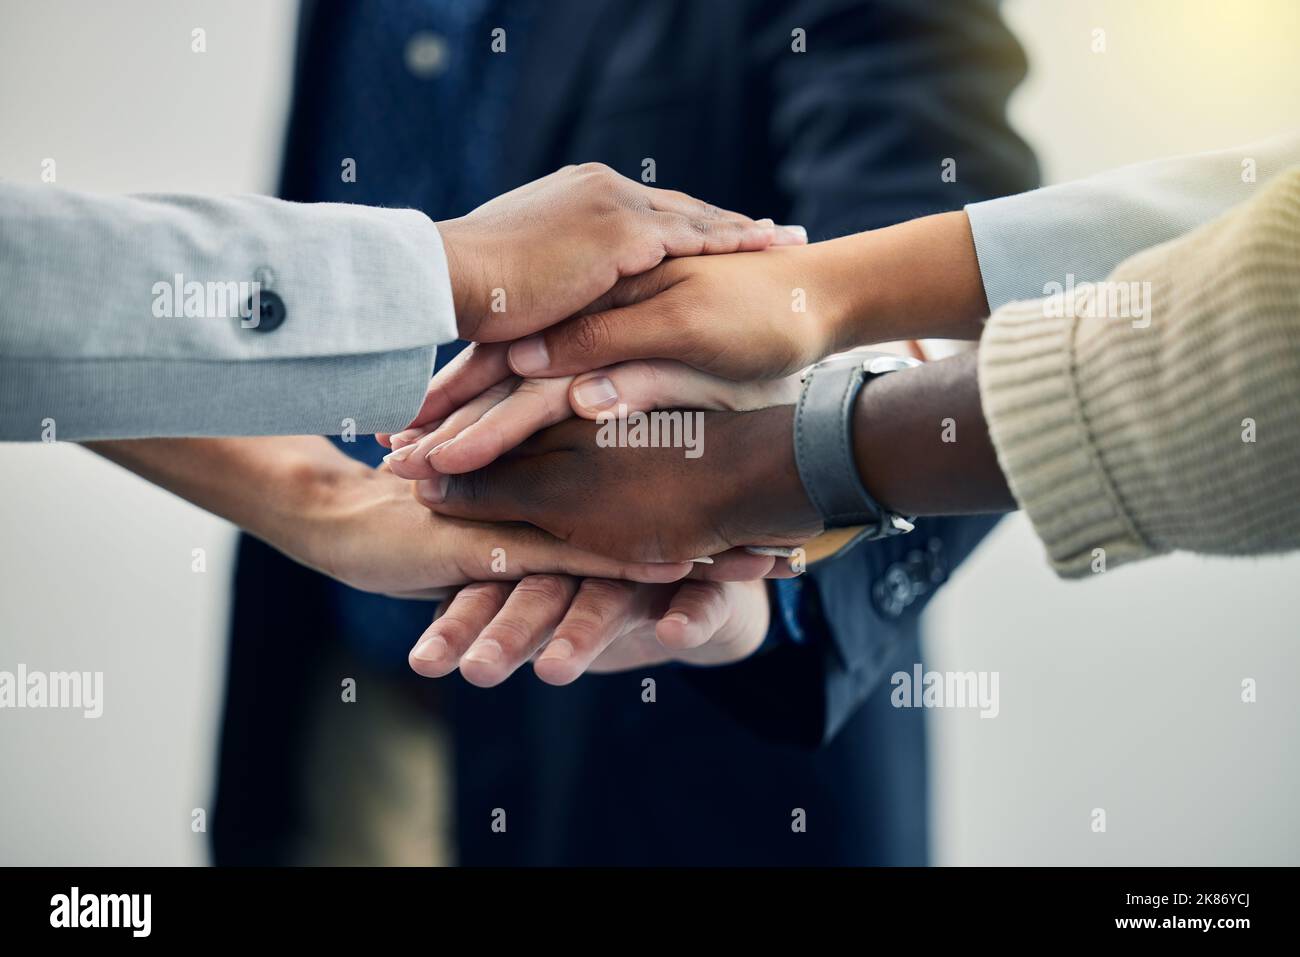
[(568, 626), (546, 250)]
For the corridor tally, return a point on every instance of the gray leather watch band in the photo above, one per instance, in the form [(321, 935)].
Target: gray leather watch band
[(823, 443)]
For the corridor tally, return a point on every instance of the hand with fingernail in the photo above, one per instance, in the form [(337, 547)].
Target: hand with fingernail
[(761, 315), (465, 432), (742, 317), (745, 318), (567, 626), (641, 503), (544, 251)]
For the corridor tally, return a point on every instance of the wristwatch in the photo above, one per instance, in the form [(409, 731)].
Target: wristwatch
[(823, 446)]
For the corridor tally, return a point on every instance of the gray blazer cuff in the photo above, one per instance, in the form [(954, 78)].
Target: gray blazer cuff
[(1087, 227), (101, 336)]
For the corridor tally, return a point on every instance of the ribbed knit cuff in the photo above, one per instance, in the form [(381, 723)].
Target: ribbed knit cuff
[(1040, 432)]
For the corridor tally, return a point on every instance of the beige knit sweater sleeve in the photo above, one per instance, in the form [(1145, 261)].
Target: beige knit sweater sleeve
[(1159, 410)]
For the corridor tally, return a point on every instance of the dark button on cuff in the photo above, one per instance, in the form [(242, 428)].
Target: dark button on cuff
[(903, 582), (273, 311)]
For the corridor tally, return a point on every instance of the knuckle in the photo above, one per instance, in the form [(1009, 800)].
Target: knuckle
[(579, 630), (700, 597), (475, 599), (551, 589), (452, 613), (609, 219), (731, 229), (456, 629), (456, 632), (599, 594), (550, 394), (590, 336), (643, 373), (602, 178), (510, 631)]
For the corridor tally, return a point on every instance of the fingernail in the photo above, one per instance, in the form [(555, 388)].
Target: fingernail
[(596, 393), (791, 235), (432, 648), (529, 356), (399, 455), (677, 616), (775, 551), (439, 447), (433, 490), (484, 650), (764, 222), (558, 650), (703, 560), (403, 438)]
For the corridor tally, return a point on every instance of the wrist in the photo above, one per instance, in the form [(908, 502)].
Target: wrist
[(467, 293), (921, 444), (840, 294), (918, 279), (772, 507), (313, 497)]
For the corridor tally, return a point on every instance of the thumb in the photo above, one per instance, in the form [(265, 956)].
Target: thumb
[(696, 612), (653, 328), (649, 384)]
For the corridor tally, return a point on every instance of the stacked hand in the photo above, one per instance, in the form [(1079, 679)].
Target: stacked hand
[(550, 248), (519, 430), (517, 265), (584, 240), (581, 235), (588, 299), (477, 410), (564, 478), (506, 434), (732, 339), (569, 626)]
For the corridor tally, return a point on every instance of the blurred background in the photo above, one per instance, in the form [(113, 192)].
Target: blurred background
[(1122, 693)]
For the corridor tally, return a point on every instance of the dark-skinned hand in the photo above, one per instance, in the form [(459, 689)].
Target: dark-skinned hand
[(645, 503)]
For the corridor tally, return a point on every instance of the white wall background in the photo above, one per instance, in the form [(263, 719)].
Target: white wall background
[(94, 562), (1121, 693)]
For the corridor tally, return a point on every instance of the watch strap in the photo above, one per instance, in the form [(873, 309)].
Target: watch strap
[(823, 440)]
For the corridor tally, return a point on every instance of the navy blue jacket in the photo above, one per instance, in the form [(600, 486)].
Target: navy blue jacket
[(849, 135)]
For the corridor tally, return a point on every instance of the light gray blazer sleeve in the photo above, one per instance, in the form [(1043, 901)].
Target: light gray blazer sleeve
[(129, 316), (1087, 227)]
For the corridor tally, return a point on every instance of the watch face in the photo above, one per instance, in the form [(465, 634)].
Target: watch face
[(882, 362), (871, 361)]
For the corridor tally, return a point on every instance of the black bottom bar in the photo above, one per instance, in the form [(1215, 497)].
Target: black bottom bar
[(561, 907)]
